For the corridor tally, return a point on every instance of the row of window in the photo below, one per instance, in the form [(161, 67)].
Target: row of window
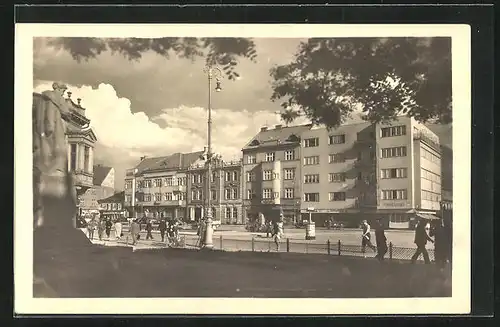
[(394, 195), (332, 139), (430, 156), (229, 212), (229, 176), (431, 196), (393, 131), (270, 156), (229, 194), (393, 173), (398, 151), (169, 196), (429, 175), (158, 182), (332, 196), (111, 206)]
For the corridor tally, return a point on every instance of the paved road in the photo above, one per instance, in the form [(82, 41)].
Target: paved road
[(403, 247)]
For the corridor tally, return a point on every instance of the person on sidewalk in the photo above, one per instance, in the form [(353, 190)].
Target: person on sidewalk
[(109, 225), (380, 240), (278, 233), (90, 229), (100, 228), (162, 226), (269, 228), (118, 230), (439, 233), (149, 229), (366, 238), (135, 230), (421, 238)]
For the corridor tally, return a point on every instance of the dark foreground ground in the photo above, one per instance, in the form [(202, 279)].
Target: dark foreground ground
[(95, 271)]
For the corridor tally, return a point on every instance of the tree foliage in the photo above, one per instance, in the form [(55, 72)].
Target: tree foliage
[(330, 77), (223, 52)]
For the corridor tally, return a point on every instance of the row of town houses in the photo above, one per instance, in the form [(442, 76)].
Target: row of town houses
[(356, 171)]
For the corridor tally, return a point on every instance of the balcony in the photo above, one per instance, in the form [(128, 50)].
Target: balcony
[(83, 178)]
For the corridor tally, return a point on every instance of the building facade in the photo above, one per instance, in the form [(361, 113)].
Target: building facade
[(112, 207), (338, 172), (350, 173), (271, 170), (103, 187)]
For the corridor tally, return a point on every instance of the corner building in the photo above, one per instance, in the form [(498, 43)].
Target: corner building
[(271, 173)]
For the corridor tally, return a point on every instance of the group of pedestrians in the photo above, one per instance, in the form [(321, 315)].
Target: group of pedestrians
[(103, 226), (424, 231)]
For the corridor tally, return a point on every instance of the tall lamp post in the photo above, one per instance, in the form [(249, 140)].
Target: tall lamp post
[(212, 72)]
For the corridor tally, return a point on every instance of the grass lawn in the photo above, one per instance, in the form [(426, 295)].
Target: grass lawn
[(97, 271)]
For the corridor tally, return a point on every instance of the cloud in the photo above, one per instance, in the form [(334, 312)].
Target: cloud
[(124, 136)]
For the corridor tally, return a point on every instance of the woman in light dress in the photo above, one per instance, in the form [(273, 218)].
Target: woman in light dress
[(118, 229), (279, 232)]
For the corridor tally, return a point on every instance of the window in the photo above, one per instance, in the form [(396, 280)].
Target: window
[(250, 194), (289, 173), (235, 176), (430, 156), (72, 165), (234, 194), (196, 194), (314, 160), (128, 185), (336, 196), (213, 195), (235, 213), (314, 178), (335, 158), (250, 176), (394, 195), (157, 182), (251, 158), (289, 155), (429, 175), (267, 175), (213, 177), (181, 196), (393, 173), (147, 197), (431, 196), (181, 181), (227, 176), (228, 213), (399, 151), (270, 156), (336, 139), (196, 178), (289, 193), (311, 197), (86, 159), (393, 131), (336, 177), (266, 193), (311, 142), (146, 183), (168, 196), (227, 194)]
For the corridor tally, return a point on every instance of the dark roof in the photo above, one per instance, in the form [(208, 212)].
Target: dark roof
[(100, 173), (281, 135), (174, 161), (117, 197)]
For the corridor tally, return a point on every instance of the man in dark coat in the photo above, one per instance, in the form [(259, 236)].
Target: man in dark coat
[(149, 229), (109, 225), (440, 243), (421, 238), (380, 239), (162, 226)]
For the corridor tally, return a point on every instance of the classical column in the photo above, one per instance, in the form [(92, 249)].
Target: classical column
[(90, 168), (82, 156), (69, 156)]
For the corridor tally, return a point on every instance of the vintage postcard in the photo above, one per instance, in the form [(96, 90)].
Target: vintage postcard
[(242, 169)]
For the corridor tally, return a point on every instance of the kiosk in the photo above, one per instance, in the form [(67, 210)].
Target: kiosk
[(310, 227)]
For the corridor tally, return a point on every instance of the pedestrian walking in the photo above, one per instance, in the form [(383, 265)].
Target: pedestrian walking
[(421, 238), (380, 240), (149, 229), (162, 226), (134, 231), (366, 238), (118, 230), (269, 228), (90, 229), (100, 228), (278, 233), (438, 231), (109, 225)]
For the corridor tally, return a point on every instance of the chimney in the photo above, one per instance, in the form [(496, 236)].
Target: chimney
[(78, 100), (278, 126), (263, 129), (69, 94)]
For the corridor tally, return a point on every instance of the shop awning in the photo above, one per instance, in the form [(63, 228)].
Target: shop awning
[(427, 216)]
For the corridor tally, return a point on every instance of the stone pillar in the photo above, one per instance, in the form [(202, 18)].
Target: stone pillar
[(69, 156), (91, 160), (82, 156)]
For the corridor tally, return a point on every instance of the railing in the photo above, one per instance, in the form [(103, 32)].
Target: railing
[(82, 178), (329, 247)]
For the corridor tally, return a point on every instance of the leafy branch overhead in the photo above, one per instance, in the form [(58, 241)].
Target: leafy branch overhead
[(223, 52), (331, 78)]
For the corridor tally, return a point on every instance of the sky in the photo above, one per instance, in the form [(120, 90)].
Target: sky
[(157, 106)]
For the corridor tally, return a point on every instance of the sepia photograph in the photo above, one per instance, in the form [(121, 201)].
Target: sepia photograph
[(259, 169)]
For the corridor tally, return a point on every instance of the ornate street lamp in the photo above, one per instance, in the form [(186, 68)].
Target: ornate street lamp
[(212, 72)]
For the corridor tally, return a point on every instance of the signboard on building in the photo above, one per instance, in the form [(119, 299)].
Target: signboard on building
[(394, 204)]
